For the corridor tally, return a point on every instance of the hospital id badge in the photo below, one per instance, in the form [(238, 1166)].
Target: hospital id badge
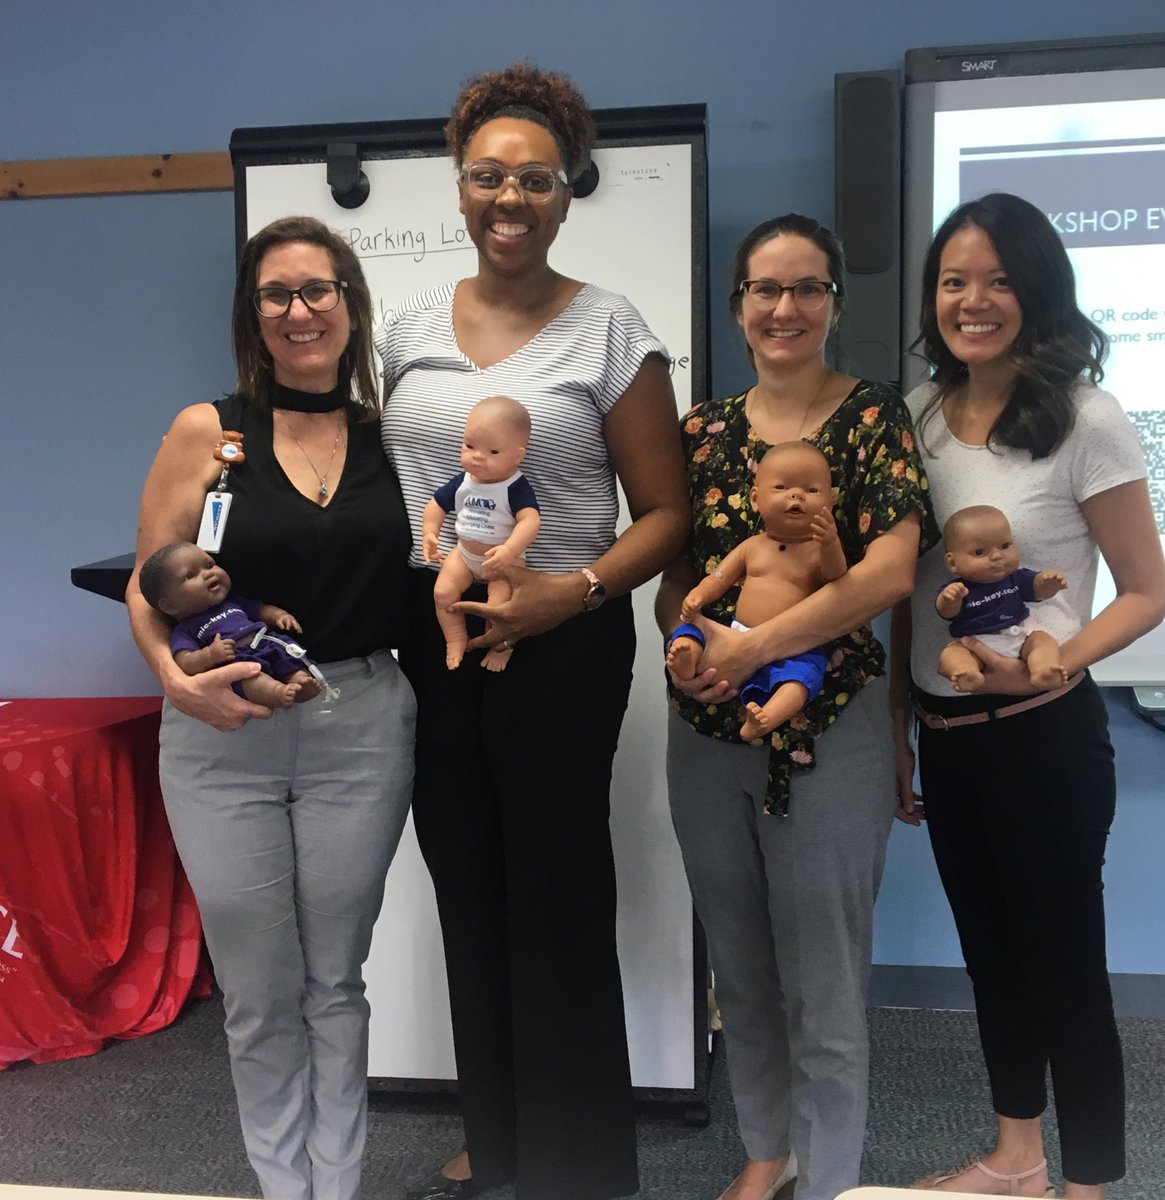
[(214, 521)]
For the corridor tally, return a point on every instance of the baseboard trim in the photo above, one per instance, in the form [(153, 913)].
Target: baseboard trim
[(949, 987)]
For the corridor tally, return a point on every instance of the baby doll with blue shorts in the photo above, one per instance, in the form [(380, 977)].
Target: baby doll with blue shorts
[(497, 519), (798, 552), (184, 583), (989, 601)]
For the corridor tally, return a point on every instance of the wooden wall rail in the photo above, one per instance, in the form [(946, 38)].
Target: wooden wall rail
[(117, 176)]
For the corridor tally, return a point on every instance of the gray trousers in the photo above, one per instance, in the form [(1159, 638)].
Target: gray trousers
[(286, 829), (787, 905)]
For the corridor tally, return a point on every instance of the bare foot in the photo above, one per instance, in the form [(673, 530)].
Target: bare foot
[(756, 724), (1050, 678), (454, 653), (683, 656), (969, 680), (285, 696), (497, 659)]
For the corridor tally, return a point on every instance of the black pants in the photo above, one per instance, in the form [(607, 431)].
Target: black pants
[(1019, 811), (512, 816)]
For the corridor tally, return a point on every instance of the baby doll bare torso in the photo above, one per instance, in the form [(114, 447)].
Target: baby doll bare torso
[(798, 552)]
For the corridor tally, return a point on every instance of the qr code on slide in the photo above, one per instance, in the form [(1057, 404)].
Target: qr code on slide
[(1150, 424)]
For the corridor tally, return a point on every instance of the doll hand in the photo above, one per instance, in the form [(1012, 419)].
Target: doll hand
[(287, 622), (429, 549), (498, 559), (823, 527), (690, 609), (222, 650), (1003, 675), (1048, 583), (950, 600)]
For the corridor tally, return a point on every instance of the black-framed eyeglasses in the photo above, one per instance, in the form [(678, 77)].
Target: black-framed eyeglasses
[(536, 182), (320, 295), (807, 294)]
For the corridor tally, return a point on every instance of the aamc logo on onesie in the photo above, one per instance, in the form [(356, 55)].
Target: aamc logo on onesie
[(10, 951)]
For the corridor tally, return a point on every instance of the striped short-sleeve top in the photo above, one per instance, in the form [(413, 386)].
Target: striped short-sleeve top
[(569, 376)]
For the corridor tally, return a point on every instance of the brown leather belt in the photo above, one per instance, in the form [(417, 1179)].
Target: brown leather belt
[(933, 721)]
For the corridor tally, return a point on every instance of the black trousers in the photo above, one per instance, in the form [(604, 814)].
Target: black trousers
[(1019, 811), (511, 806)]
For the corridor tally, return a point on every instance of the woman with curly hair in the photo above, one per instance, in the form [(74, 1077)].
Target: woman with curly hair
[(1019, 783), (784, 836), (512, 814)]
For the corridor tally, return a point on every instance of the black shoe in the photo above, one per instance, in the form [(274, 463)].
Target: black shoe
[(441, 1187)]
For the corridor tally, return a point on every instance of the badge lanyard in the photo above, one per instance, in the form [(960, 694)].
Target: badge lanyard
[(217, 508)]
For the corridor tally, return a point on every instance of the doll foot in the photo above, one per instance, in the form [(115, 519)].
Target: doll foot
[(1050, 678), (978, 1179), (453, 656), (966, 681), (309, 687), (497, 659), (683, 656), (288, 694), (756, 724)]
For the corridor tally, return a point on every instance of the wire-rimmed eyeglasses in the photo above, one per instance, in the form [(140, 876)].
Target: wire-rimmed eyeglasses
[(320, 295)]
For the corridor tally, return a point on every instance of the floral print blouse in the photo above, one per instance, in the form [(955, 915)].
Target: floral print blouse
[(878, 479)]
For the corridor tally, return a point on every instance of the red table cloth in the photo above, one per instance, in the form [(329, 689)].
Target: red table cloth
[(100, 936)]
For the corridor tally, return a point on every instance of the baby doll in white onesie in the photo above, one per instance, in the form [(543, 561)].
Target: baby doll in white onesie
[(497, 519)]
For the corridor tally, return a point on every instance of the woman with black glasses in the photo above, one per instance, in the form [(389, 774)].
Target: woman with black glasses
[(784, 836), (286, 821), (514, 767)]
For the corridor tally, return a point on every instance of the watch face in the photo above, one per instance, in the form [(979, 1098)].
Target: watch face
[(594, 597)]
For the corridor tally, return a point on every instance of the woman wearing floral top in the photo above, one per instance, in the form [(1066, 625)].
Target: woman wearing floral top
[(783, 842)]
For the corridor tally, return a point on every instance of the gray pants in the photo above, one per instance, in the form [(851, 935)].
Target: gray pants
[(286, 829), (787, 905)]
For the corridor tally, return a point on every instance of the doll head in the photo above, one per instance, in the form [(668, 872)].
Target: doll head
[(497, 432), (181, 580), (793, 484), (980, 546)]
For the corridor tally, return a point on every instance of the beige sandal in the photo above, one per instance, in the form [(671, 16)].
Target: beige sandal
[(996, 1178)]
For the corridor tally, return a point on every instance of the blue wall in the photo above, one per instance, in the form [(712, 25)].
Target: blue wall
[(113, 311)]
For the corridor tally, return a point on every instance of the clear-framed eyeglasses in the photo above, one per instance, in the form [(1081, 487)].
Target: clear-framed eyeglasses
[(807, 294), (320, 295), (536, 182)]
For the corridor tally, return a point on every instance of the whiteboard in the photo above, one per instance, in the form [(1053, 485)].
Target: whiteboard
[(642, 233)]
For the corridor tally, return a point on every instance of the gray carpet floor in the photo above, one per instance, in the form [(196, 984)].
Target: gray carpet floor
[(157, 1114)]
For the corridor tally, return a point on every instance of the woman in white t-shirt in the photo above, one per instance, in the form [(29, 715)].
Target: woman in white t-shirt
[(1019, 786)]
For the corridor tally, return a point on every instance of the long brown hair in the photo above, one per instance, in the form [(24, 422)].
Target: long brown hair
[(256, 370)]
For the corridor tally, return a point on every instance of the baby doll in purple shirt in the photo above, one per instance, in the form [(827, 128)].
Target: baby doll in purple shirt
[(989, 601), (185, 583)]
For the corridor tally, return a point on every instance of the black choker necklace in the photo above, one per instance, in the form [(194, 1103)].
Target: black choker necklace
[(313, 402)]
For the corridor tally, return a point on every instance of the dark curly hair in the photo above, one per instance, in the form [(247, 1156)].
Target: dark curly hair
[(547, 98), (153, 579), (794, 225), (357, 369), (1057, 343)]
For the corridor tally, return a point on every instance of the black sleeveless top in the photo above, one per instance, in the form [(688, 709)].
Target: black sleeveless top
[(340, 571)]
